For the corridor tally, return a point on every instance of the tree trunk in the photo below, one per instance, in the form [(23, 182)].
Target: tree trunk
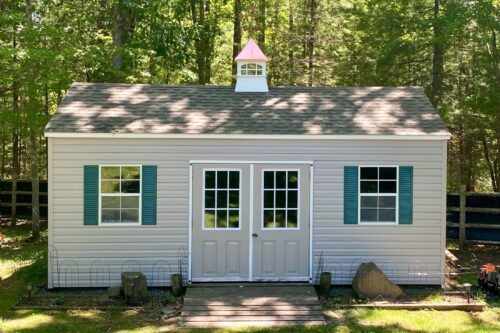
[(273, 74), (121, 26), (291, 34), (437, 63), (15, 138), (35, 192), (46, 109), (4, 148), (492, 166), (204, 39), (311, 39), (2, 170), (236, 38), (261, 25), (33, 148)]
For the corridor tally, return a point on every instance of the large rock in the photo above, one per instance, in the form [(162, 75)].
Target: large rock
[(135, 287), (371, 282)]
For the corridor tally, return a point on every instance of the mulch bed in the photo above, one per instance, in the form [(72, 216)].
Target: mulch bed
[(477, 255), (416, 299), (161, 302)]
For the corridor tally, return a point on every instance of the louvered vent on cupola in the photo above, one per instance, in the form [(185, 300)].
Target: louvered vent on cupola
[(251, 74)]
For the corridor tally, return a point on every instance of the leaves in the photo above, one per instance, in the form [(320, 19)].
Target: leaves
[(353, 43)]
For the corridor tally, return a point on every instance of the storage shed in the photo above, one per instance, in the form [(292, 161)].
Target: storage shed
[(259, 184)]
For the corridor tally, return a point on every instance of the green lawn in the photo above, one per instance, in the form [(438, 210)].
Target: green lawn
[(21, 261)]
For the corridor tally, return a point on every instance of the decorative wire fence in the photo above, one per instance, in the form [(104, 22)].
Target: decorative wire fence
[(409, 273), (100, 273), (68, 273)]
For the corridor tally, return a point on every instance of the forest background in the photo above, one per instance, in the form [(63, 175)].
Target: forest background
[(449, 47)]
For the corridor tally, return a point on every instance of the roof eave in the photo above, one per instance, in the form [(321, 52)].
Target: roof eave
[(384, 137)]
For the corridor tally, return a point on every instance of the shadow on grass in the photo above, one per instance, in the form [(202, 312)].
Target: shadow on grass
[(351, 321), (376, 321)]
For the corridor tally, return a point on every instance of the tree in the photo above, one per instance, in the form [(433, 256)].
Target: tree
[(236, 37), (123, 22), (450, 47), (437, 63)]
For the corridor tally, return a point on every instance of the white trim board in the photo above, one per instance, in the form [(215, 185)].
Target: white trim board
[(248, 162), (420, 137), (190, 219), (250, 231), (311, 221)]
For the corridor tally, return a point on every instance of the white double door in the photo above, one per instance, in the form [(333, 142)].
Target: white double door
[(250, 222)]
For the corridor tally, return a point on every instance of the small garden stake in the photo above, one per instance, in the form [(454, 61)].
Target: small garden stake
[(467, 287), (29, 287)]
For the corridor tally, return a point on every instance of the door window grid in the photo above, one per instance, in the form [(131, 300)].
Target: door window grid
[(221, 199), (378, 194), (280, 196)]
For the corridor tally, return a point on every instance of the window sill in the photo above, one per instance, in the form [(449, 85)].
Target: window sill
[(378, 223), (119, 224)]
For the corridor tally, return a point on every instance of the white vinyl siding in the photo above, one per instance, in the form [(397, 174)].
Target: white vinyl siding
[(401, 252)]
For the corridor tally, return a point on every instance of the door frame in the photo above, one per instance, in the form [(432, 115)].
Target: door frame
[(251, 203)]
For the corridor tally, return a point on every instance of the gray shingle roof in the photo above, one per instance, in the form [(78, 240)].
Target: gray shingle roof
[(165, 109)]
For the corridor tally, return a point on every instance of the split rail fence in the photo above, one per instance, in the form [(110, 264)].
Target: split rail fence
[(470, 215), (473, 216), (15, 198)]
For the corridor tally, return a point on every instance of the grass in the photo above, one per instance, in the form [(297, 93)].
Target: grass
[(22, 261)]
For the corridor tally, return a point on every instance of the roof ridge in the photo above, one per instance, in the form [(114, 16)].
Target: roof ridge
[(126, 84)]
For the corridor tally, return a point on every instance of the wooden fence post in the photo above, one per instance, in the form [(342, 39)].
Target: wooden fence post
[(13, 214), (461, 227)]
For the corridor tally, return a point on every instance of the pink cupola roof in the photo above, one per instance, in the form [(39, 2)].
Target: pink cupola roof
[(251, 51)]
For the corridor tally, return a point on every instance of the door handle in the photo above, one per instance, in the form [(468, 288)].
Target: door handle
[(255, 235)]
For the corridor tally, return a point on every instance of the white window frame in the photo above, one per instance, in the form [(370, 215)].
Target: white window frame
[(203, 228), (118, 224), (396, 222), (262, 209), (244, 67)]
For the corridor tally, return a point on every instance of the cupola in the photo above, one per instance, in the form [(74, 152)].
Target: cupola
[(251, 69)]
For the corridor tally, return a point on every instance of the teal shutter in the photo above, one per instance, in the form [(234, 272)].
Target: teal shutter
[(90, 195), (351, 195), (405, 195), (149, 179)]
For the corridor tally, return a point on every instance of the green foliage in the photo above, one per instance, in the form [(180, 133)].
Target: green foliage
[(30, 264), (313, 42), (21, 261), (168, 299)]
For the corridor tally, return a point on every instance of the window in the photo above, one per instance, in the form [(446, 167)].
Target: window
[(378, 191), (120, 194), (251, 69), (280, 199), (221, 199)]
